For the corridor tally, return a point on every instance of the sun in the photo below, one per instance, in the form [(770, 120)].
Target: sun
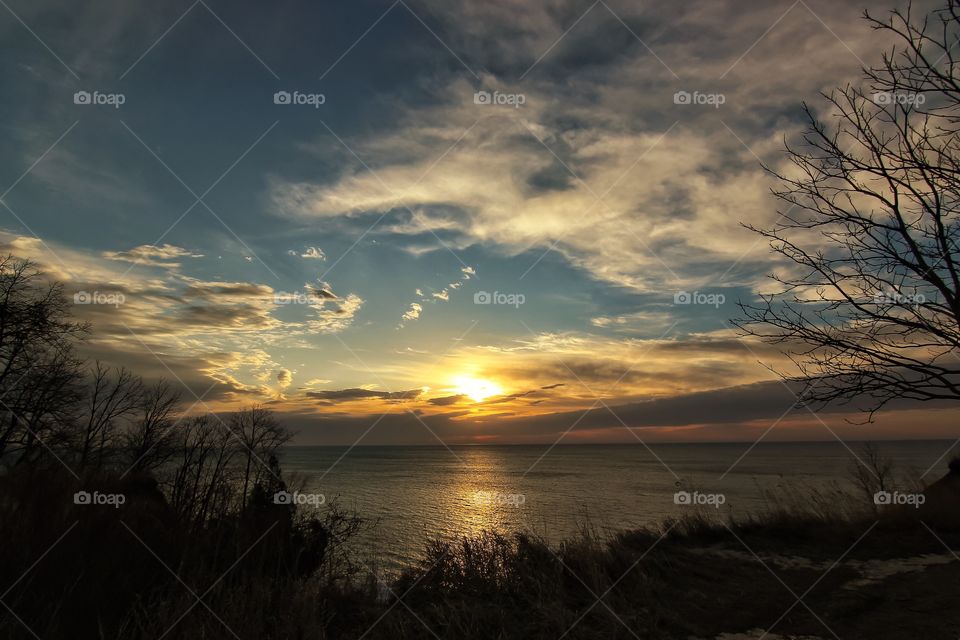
[(476, 389)]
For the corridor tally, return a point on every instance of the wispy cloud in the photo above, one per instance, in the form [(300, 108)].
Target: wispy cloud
[(164, 255)]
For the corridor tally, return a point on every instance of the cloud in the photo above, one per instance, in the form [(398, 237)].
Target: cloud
[(413, 313), (741, 413), (599, 169), (336, 318), (443, 295), (284, 380), (152, 255), (578, 368), (656, 320), (348, 395), (215, 335), (600, 166), (764, 400), (586, 231), (455, 426), (312, 253)]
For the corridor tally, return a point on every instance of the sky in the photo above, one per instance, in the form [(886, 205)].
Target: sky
[(428, 222)]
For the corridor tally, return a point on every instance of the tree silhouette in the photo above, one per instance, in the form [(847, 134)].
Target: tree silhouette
[(40, 375), (869, 305)]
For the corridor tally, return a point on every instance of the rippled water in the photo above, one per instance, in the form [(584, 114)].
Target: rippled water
[(416, 493)]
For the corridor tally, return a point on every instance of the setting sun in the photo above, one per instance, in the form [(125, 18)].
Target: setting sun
[(476, 389)]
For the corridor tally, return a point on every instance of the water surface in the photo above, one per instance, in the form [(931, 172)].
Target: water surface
[(420, 492)]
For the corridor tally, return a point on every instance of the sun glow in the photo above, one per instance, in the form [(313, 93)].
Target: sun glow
[(476, 389)]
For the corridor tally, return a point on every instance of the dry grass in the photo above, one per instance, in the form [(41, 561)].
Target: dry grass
[(302, 581)]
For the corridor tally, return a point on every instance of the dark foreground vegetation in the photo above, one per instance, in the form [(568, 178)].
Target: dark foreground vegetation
[(259, 570), (123, 517)]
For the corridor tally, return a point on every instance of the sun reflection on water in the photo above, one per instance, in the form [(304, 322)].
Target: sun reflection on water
[(477, 503)]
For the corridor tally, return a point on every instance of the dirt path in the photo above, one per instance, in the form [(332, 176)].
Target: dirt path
[(896, 598)]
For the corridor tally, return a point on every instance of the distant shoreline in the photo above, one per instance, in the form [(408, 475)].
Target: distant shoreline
[(850, 443)]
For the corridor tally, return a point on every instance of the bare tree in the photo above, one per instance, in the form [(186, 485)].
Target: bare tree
[(871, 472), (260, 436), (148, 443), (39, 373), (46, 400), (114, 394), (869, 307), (201, 483)]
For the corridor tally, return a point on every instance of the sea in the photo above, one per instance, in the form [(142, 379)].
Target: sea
[(409, 495)]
